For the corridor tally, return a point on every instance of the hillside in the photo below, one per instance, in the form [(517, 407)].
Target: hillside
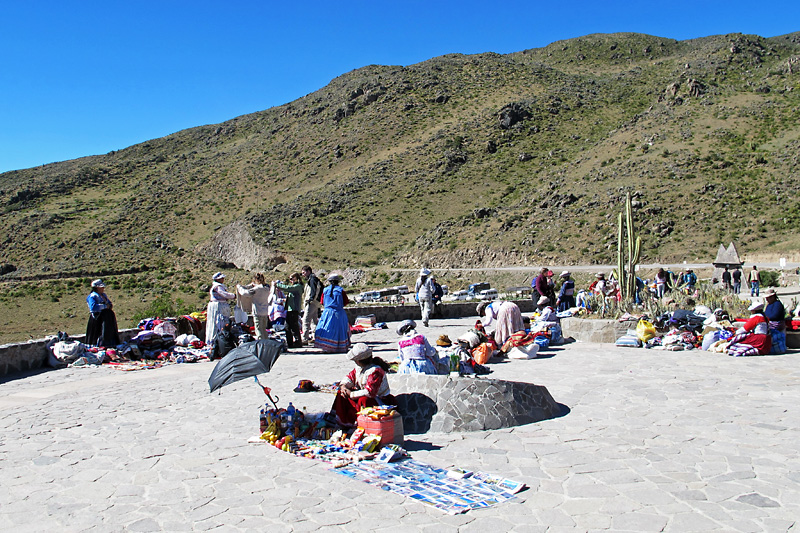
[(457, 161)]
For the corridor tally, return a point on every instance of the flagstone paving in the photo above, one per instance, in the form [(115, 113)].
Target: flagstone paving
[(652, 441)]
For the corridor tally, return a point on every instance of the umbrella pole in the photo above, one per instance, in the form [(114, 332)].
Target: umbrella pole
[(268, 392)]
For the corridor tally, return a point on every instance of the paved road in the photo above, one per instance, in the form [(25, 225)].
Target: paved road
[(654, 441)]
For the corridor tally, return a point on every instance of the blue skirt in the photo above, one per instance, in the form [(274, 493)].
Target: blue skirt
[(333, 331), (416, 366)]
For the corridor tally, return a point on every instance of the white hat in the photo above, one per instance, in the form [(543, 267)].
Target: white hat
[(424, 271), (543, 300), (98, 283), (334, 277), (359, 351), (756, 306), (770, 292), (218, 276), (600, 275), (565, 274)]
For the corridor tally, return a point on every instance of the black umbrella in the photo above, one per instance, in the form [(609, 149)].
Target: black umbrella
[(248, 360)]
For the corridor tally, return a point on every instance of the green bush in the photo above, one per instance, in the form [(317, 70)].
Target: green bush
[(163, 306), (769, 278)]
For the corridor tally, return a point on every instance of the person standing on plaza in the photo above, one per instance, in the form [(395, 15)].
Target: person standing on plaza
[(311, 303), (219, 310), (293, 291), (737, 280), (661, 283), (755, 281), (424, 290), (259, 291), (333, 330), (101, 330), (776, 314), (566, 295)]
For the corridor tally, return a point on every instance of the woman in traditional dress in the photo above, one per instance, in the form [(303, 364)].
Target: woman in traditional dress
[(219, 310), (566, 296), (417, 356), (753, 338), (504, 315), (101, 330), (333, 330), (365, 386)]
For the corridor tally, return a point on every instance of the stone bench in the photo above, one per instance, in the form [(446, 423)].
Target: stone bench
[(444, 403), (597, 330)]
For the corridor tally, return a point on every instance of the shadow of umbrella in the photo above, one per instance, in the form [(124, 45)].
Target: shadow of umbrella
[(248, 360)]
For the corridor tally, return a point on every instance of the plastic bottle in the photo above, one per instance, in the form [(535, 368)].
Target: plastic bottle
[(263, 421), (290, 418)]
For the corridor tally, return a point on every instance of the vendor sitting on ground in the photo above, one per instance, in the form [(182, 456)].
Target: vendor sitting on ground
[(365, 386), (417, 356), (753, 338), (546, 312), (505, 316)]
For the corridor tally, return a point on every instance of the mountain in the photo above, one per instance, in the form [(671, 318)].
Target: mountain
[(462, 160)]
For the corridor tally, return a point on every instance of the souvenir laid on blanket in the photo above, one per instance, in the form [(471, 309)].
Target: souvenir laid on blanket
[(68, 351)]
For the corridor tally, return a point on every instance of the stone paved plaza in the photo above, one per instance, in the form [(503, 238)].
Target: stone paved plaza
[(653, 441)]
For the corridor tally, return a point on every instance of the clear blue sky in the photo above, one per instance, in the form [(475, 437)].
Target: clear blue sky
[(81, 78)]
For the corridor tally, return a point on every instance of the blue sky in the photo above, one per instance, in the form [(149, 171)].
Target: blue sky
[(83, 78)]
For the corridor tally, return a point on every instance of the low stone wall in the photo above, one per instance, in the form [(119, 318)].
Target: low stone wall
[(397, 313), (33, 354), (595, 329), (30, 355), (444, 403)]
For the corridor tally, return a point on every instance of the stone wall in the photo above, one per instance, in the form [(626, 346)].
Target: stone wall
[(595, 329), (397, 313), (444, 403), (29, 355), (33, 354)]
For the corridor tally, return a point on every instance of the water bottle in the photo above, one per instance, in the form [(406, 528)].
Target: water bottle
[(263, 420), (455, 361), (290, 418)]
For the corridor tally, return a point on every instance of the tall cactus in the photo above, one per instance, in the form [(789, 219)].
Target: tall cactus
[(626, 262)]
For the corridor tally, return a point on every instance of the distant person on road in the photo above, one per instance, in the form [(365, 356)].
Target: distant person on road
[(726, 280), (219, 310), (424, 290), (101, 330), (755, 281), (311, 303), (661, 282), (504, 316), (737, 280), (333, 331)]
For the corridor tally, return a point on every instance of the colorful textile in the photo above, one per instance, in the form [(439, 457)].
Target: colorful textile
[(333, 330), (433, 486), (416, 355)]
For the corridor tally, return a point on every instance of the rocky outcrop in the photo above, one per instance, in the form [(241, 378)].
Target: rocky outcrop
[(234, 244)]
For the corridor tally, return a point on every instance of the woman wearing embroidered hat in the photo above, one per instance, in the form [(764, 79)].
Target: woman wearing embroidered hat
[(417, 356), (365, 386), (333, 329), (753, 338), (101, 330), (219, 310)]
